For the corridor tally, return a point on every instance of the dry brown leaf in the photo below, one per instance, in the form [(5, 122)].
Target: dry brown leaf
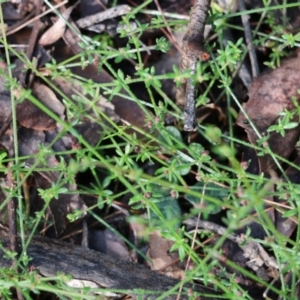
[(162, 258), (30, 116), (48, 98), (269, 95), (56, 31)]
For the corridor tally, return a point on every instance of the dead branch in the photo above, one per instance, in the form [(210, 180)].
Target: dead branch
[(33, 38), (249, 40), (192, 50), (51, 256)]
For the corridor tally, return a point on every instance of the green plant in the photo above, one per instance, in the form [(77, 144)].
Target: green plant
[(219, 181)]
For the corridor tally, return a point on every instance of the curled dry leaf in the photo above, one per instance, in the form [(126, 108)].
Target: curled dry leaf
[(56, 31), (270, 94)]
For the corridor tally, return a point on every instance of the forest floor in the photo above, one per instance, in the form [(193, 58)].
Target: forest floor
[(149, 149)]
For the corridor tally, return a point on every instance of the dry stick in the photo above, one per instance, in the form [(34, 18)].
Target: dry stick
[(172, 37), (103, 15), (19, 26), (192, 50), (33, 38), (248, 36)]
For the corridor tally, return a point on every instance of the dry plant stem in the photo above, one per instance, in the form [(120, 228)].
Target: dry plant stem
[(104, 15), (35, 30), (192, 50), (15, 28), (173, 38), (249, 40), (33, 38)]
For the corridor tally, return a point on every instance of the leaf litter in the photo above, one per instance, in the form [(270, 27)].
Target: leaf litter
[(272, 93)]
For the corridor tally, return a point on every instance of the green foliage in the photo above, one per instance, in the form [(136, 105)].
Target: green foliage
[(209, 191), (124, 156)]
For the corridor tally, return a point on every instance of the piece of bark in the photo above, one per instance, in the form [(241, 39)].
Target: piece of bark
[(51, 256)]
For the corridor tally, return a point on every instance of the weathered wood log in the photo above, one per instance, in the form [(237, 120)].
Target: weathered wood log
[(51, 256)]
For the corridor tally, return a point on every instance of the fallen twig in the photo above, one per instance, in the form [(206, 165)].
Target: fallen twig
[(33, 39), (248, 36), (103, 15), (192, 50), (27, 21)]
